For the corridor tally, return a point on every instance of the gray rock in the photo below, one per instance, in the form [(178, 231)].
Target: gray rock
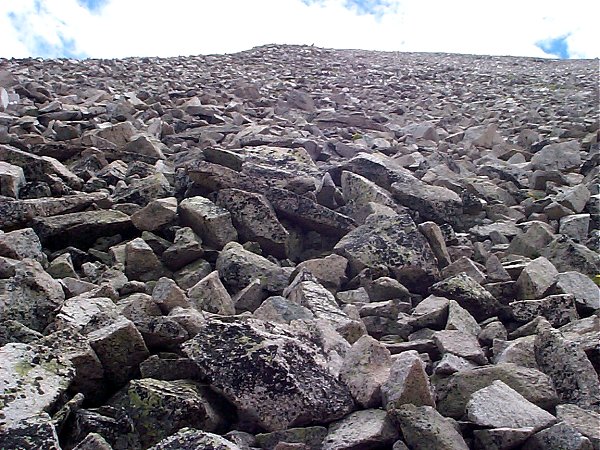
[(322, 304), (120, 348), (167, 295), (468, 294), (366, 367), (12, 179), (210, 295), (22, 244), (190, 438), (158, 408), (460, 344), (567, 365), (454, 392), (271, 375), (255, 220), (155, 214), (561, 436), (391, 241), (368, 429), (585, 291), (557, 309), (30, 296), (459, 319), (536, 278), (359, 192), (238, 267), (407, 383), (282, 310), (501, 438), (186, 248), (574, 198), (308, 214), (93, 441), (584, 421), (567, 255), (575, 226), (424, 428), (33, 380), (498, 405), (560, 156), (31, 432), (141, 263), (211, 222), (81, 227), (312, 437)]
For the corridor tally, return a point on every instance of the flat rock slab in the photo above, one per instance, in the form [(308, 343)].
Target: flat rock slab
[(32, 379), (81, 227), (498, 406), (273, 377), (190, 439)]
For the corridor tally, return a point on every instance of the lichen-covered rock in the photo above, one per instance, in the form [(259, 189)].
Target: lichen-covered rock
[(159, 408), (391, 241), (12, 179), (560, 435), (255, 220), (32, 378), (469, 294), (238, 267), (22, 244), (308, 214), (30, 296), (557, 309), (275, 378), (211, 222), (567, 365), (31, 432), (584, 421)]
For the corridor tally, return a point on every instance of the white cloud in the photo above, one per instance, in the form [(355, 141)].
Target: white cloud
[(184, 27)]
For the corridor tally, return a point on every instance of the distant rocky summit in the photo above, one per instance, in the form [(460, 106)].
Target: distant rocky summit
[(297, 248)]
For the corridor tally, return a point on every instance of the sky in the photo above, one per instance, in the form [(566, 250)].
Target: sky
[(122, 28)]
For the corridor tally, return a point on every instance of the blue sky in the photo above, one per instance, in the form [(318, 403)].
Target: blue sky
[(120, 28)]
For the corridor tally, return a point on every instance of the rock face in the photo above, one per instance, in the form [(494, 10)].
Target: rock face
[(274, 384), (303, 248)]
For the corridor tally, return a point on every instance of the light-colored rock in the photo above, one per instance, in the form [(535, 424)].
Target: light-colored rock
[(365, 368), (141, 263), (323, 305), (30, 296), (499, 406), (368, 429), (434, 236), (567, 365), (560, 435), (329, 271), (460, 344), (408, 383), (167, 295), (33, 379), (20, 244), (155, 214), (120, 348), (211, 222), (536, 278), (585, 291), (424, 428), (190, 438), (12, 179), (584, 421), (210, 295)]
